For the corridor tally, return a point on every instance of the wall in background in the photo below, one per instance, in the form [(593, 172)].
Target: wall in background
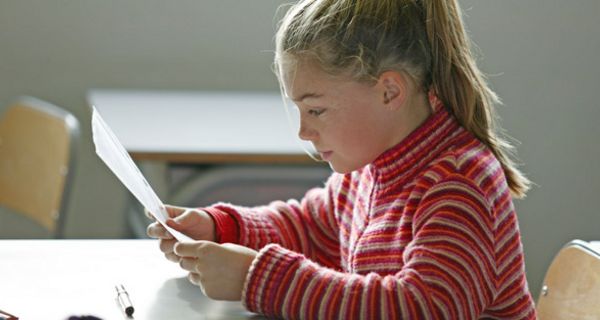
[(542, 60), (541, 56), (57, 50)]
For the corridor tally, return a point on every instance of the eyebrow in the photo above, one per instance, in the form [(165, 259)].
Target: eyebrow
[(307, 95)]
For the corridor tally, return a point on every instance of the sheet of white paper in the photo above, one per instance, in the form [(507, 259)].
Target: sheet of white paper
[(112, 152)]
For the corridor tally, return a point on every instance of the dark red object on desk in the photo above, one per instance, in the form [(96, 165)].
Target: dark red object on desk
[(7, 316)]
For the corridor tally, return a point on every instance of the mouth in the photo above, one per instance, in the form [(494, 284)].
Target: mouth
[(325, 155)]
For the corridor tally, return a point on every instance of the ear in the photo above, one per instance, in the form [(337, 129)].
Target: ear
[(394, 88)]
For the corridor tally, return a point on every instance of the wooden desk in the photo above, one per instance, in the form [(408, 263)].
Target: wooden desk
[(53, 279), (201, 127)]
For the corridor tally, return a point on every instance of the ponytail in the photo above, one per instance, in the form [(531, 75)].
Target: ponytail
[(461, 86)]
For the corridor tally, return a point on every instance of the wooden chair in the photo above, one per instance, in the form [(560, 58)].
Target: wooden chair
[(571, 288), (37, 152)]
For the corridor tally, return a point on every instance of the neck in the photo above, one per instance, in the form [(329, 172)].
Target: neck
[(417, 109)]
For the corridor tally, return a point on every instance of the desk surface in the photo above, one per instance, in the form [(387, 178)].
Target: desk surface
[(201, 126), (53, 279)]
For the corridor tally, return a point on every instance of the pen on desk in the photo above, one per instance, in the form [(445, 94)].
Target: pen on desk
[(124, 301)]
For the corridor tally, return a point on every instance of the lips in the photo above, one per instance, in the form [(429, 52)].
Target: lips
[(326, 155)]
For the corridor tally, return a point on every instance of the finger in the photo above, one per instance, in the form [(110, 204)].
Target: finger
[(196, 279), (195, 249), (188, 218), (166, 245), (156, 230), (148, 214), (188, 264), (173, 224), (172, 257), (174, 211)]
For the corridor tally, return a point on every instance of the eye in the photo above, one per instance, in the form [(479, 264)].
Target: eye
[(316, 112)]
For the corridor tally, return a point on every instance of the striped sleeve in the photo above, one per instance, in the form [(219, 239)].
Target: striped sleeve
[(448, 271), (308, 226)]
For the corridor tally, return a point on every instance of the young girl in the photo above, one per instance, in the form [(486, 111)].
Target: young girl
[(417, 222)]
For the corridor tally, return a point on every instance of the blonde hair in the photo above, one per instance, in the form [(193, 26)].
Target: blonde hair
[(424, 38)]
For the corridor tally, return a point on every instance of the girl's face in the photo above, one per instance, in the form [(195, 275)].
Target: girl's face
[(346, 121)]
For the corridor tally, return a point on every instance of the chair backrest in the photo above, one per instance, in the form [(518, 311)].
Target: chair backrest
[(571, 288), (37, 151)]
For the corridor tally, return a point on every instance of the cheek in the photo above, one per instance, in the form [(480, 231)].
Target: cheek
[(359, 126), (352, 138), (364, 141)]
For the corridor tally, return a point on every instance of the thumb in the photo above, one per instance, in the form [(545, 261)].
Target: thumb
[(176, 223), (184, 220), (174, 211)]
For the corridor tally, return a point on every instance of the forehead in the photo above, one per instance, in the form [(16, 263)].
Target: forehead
[(299, 77)]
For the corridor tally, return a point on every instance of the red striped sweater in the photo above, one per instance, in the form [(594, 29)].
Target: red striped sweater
[(426, 231)]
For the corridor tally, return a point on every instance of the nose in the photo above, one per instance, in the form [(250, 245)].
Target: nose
[(306, 132)]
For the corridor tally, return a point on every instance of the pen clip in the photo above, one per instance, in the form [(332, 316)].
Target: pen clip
[(120, 289)]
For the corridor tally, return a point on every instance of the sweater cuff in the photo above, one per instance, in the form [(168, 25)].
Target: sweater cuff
[(226, 227), (267, 279)]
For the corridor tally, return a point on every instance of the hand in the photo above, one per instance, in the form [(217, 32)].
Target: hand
[(196, 224), (219, 269)]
